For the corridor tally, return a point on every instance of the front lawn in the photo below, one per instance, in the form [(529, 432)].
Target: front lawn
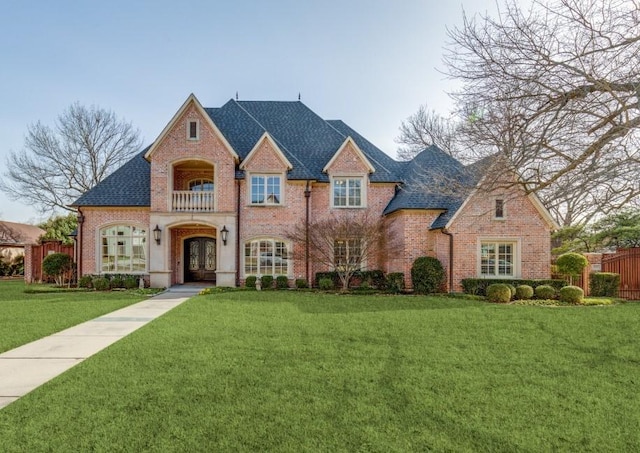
[(43, 310), (290, 371)]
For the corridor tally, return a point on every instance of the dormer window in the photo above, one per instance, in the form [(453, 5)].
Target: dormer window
[(193, 130), (265, 190)]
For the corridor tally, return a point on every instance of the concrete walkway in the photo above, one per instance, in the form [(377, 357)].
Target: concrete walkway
[(31, 365)]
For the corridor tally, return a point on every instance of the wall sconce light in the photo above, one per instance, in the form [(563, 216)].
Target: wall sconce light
[(224, 233), (156, 234)]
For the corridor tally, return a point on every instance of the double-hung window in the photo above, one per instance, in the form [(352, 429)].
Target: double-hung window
[(266, 190), (348, 192), (498, 259), (347, 254)]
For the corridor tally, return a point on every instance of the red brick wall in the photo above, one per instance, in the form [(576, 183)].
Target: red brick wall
[(95, 219), (175, 146), (523, 222)]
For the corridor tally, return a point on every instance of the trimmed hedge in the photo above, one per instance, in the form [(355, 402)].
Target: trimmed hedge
[(374, 278), (499, 293), (478, 286), (524, 292), (282, 282), (427, 275), (604, 284), (326, 284), (545, 292), (395, 282), (571, 294), (267, 281), (301, 283), (250, 282)]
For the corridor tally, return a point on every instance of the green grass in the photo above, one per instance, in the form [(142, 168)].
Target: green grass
[(286, 371), (30, 312)]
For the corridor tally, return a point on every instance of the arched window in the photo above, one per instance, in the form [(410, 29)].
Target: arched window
[(266, 257), (123, 249), (201, 185)]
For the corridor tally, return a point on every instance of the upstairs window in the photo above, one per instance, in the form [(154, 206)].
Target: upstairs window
[(499, 212), (266, 190), (193, 130), (347, 192)]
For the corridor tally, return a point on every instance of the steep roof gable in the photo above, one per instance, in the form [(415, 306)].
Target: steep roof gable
[(346, 145), (191, 100), (274, 146)]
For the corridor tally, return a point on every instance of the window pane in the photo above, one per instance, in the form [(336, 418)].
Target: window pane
[(339, 192), (487, 259), (273, 190), (123, 249), (257, 189), (355, 192), (499, 209)]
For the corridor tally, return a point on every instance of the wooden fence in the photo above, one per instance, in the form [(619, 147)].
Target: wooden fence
[(34, 254), (625, 262)]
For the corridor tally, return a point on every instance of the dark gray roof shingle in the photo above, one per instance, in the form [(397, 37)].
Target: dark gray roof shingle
[(309, 142)]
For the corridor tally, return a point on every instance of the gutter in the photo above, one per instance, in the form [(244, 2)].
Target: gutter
[(307, 196), (238, 233), (444, 231), (79, 242)]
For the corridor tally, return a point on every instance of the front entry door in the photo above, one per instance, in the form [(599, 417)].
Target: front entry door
[(200, 259)]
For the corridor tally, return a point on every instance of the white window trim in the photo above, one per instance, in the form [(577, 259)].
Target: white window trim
[(363, 191), (289, 245), (517, 256), (504, 209), (98, 248), (189, 137), (266, 175)]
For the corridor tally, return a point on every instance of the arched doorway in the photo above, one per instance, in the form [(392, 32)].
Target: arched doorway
[(200, 259)]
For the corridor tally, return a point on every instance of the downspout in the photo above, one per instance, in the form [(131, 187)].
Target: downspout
[(444, 231), (79, 244), (237, 232), (307, 196)]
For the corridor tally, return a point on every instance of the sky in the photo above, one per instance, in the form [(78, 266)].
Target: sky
[(370, 63)]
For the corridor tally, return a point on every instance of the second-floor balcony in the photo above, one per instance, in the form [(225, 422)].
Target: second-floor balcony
[(192, 201)]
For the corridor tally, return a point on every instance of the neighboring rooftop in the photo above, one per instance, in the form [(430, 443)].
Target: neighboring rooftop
[(19, 234)]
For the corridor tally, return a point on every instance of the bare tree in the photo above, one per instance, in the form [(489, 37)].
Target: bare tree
[(425, 128), (343, 241), (554, 91), (59, 164)]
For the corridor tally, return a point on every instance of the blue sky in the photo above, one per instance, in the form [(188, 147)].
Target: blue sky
[(370, 63)]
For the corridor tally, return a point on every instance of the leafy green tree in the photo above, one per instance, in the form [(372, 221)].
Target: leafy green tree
[(619, 230), (59, 266), (59, 228), (571, 264)]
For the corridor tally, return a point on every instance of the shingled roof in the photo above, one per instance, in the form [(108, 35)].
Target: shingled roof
[(308, 142)]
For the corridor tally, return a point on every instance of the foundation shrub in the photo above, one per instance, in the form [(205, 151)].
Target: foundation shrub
[(282, 282), (571, 294), (86, 281), (101, 284), (326, 284), (498, 293), (301, 283), (524, 292), (250, 282), (427, 275), (478, 286), (545, 292), (395, 282), (267, 281)]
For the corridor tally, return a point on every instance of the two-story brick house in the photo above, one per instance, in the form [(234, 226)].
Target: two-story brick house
[(214, 195)]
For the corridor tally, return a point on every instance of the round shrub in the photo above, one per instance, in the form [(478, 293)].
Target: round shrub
[(524, 292), (545, 292), (498, 293), (117, 281), (301, 283), (86, 281), (571, 294), (571, 264), (267, 281), (57, 265), (282, 282), (101, 284), (512, 289), (395, 282), (325, 284), (131, 282), (427, 275), (250, 282)]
